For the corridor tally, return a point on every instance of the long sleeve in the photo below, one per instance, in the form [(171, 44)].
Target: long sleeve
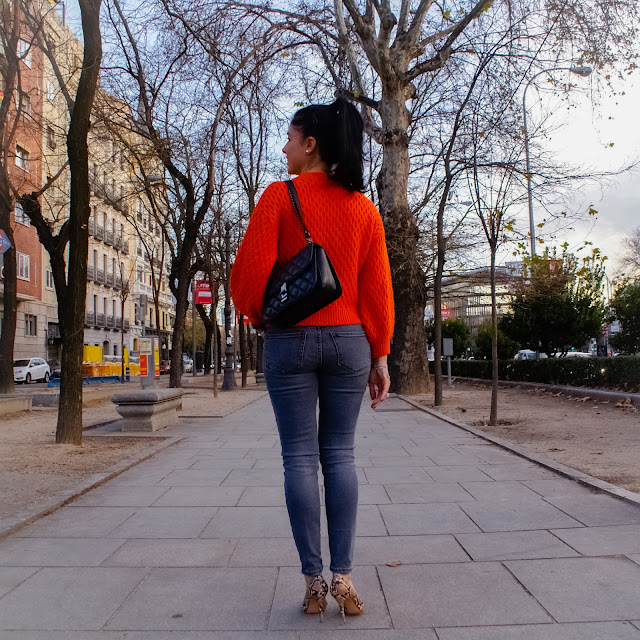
[(375, 293), (256, 256)]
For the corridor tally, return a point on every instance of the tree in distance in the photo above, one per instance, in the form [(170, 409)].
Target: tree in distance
[(455, 328), (558, 304), (507, 348), (626, 308)]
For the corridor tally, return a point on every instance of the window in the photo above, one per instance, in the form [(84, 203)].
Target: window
[(24, 52), (20, 216), (23, 101), (51, 138), (24, 267), (30, 325), (51, 91), (48, 279), (139, 276), (22, 158)]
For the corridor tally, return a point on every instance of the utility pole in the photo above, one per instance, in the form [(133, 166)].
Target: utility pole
[(229, 380)]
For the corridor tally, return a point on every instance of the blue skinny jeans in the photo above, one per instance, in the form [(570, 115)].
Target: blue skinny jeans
[(306, 367)]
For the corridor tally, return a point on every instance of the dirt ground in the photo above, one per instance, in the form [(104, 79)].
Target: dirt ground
[(33, 467), (596, 438)]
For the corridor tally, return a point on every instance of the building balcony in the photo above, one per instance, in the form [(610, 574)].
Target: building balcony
[(89, 318), (99, 277), (99, 233), (90, 272), (125, 247), (91, 226), (100, 320), (118, 283), (108, 237), (126, 325), (119, 323), (109, 279), (111, 322)]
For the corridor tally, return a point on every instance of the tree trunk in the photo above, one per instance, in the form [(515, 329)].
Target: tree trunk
[(493, 416), (207, 348), (408, 361), (8, 335), (122, 339), (69, 428), (243, 350), (182, 304), (219, 349), (437, 310)]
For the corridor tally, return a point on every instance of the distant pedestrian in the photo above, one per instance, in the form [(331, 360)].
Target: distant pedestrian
[(330, 356)]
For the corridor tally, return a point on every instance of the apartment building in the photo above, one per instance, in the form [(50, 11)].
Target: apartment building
[(127, 275), (24, 169)]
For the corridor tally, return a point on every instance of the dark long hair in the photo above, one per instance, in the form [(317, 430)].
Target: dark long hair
[(337, 128)]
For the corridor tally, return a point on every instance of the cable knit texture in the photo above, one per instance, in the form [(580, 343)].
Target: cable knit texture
[(349, 228)]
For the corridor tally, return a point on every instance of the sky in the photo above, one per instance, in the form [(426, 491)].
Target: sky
[(584, 136)]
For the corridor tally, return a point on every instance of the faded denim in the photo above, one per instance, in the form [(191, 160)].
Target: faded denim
[(305, 367)]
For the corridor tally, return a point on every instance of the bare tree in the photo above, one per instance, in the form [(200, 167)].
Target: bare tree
[(68, 247), (183, 88)]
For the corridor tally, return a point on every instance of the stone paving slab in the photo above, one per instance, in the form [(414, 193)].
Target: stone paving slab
[(602, 541), (457, 539), (517, 515), (583, 589), (171, 553), (462, 594), (598, 510), (79, 522), (11, 577), (514, 545), (578, 631), (63, 598), (56, 552), (197, 599), (406, 519)]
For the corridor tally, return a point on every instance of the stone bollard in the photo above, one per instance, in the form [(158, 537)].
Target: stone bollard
[(149, 409)]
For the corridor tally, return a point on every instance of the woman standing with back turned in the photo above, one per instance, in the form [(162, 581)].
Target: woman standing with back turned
[(330, 356)]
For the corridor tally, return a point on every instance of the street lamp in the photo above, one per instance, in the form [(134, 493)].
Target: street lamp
[(579, 71)]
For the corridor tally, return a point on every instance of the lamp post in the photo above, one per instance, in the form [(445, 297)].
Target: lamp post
[(229, 380), (579, 71)]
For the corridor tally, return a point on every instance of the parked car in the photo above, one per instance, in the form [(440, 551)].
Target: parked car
[(165, 366), (528, 354), (187, 364), (29, 369)]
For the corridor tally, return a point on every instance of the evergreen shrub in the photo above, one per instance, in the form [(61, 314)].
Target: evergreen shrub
[(621, 373)]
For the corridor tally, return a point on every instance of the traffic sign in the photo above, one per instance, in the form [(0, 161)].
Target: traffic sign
[(4, 242)]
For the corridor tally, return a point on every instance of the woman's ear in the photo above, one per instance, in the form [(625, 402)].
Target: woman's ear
[(310, 145)]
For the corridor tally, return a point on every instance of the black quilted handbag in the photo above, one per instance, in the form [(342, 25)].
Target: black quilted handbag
[(304, 285)]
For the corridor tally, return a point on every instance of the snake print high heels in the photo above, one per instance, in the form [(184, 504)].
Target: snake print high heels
[(315, 598), (346, 597)]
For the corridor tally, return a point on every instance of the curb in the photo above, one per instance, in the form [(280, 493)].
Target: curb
[(24, 518), (568, 472), (600, 395)]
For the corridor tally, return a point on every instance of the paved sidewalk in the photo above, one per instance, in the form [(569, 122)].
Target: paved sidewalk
[(457, 540)]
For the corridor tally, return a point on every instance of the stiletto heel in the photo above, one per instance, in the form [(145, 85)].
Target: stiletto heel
[(315, 598), (346, 597)]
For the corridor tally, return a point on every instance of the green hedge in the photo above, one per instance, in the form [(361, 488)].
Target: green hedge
[(620, 373)]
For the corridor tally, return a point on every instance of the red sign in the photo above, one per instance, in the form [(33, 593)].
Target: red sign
[(144, 370), (202, 292), (445, 313)]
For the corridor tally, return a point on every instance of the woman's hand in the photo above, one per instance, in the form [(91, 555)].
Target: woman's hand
[(379, 382)]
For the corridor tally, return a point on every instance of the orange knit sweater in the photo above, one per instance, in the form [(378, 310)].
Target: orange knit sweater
[(349, 228)]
